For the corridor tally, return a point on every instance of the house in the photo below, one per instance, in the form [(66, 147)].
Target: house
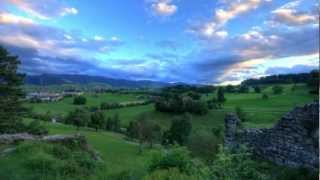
[(72, 93), (44, 96)]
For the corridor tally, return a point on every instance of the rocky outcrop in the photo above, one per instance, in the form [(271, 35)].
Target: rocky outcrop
[(67, 140), (293, 141)]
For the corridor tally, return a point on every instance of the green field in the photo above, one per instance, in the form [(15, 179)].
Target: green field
[(118, 154), (260, 112), (121, 155)]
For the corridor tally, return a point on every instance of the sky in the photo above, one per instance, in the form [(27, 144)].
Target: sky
[(191, 41)]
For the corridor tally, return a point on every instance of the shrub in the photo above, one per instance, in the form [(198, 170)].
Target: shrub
[(79, 100), (36, 128), (175, 158), (204, 146), (241, 114), (265, 96), (235, 165), (277, 89), (257, 89), (179, 131)]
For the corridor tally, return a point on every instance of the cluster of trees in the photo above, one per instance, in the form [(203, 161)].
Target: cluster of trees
[(148, 131), (116, 105), (310, 78), (188, 88), (79, 100), (82, 117), (181, 103)]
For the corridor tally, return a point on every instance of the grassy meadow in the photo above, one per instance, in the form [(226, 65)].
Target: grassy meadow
[(122, 156)]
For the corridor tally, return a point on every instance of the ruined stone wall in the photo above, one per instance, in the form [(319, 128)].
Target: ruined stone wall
[(293, 141)]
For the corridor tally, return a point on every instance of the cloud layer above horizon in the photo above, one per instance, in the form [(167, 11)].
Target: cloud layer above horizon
[(201, 41)]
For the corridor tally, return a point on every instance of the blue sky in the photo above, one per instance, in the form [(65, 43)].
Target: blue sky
[(193, 41)]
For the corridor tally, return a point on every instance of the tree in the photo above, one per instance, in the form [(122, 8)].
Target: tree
[(257, 89), (11, 93), (97, 120), (145, 130), (78, 117), (220, 95), (244, 89), (179, 131), (79, 100), (265, 96), (241, 114), (277, 89), (113, 123)]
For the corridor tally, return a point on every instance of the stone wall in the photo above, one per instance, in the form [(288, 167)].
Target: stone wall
[(293, 141)]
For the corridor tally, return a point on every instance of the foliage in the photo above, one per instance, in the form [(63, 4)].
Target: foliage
[(174, 158), (277, 89), (179, 131), (282, 79), (257, 89), (265, 96), (52, 161), (235, 165), (78, 117), (79, 100), (241, 114), (145, 130), (97, 120), (36, 128), (243, 89), (11, 93), (220, 95), (176, 103), (113, 123), (204, 146)]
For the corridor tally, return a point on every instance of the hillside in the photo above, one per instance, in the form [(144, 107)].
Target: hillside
[(60, 79)]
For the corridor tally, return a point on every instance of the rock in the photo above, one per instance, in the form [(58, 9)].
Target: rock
[(293, 141)]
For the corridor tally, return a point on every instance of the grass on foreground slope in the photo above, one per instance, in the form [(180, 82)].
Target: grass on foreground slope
[(118, 154)]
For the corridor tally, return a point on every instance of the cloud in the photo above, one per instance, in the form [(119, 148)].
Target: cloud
[(44, 9), (7, 18), (47, 49), (164, 7), (238, 57), (215, 27), (300, 68), (290, 16)]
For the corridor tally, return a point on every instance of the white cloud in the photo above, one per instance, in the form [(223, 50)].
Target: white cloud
[(164, 7), (71, 11), (98, 38), (44, 9), (290, 16), (6, 18), (215, 27)]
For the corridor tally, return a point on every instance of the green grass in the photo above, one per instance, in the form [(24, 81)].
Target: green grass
[(66, 105), (118, 154)]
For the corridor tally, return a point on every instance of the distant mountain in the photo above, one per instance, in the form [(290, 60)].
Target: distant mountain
[(60, 79)]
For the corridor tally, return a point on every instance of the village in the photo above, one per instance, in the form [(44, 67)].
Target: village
[(51, 96)]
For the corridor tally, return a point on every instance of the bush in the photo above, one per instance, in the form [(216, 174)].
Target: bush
[(277, 89), (79, 100), (36, 128), (235, 165), (257, 89), (55, 161), (265, 96), (204, 146), (179, 131), (175, 158), (241, 114)]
